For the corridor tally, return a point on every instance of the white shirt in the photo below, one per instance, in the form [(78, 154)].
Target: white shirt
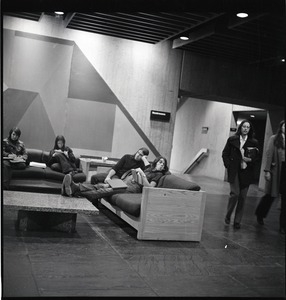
[(242, 142)]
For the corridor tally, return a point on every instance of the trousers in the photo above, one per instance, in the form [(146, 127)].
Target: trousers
[(7, 171), (236, 199)]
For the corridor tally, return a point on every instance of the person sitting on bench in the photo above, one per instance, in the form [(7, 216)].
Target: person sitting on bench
[(148, 177), (61, 157), (126, 163), (14, 154)]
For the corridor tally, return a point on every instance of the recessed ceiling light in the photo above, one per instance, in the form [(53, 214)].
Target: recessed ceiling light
[(283, 59), (252, 116), (59, 12), (184, 38), (242, 15)]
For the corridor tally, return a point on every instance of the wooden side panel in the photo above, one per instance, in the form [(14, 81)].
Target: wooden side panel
[(169, 214), (131, 220)]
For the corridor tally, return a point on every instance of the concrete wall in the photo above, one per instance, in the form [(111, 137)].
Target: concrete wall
[(192, 115), (96, 90), (189, 139)]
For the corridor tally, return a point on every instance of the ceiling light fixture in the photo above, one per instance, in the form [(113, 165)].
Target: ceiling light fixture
[(184, 38), (242, 15), (59, 12), (283, 59), (252, 116)]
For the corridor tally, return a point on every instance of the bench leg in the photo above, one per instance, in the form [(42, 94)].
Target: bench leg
[(36, 220)]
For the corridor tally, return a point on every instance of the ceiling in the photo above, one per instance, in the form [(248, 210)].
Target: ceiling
[(259, 39)]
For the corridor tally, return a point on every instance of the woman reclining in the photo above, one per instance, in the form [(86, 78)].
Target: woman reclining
[(150, 178)]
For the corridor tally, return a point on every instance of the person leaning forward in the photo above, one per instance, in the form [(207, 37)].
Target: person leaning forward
[(125, 164)]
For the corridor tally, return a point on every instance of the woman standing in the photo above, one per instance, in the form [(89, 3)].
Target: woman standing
[(61, 157), (14, 155), (274, 176), (239, 157)]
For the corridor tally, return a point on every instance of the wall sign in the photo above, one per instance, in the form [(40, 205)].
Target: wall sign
[(157, 115)]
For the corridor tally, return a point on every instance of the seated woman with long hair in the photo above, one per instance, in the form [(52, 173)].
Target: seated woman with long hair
[(14, 155), (61, 157), (150, 178)]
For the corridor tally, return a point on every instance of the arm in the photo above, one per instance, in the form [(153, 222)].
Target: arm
[(5, 150), (110, 174), (269, 156), (226, 154), (145, 180), (69, 154), (24, 153)]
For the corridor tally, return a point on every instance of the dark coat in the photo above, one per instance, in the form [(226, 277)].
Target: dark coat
[(273, 165), (231, 156)]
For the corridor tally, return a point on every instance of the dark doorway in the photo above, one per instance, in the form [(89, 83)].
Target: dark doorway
[(258, 120)]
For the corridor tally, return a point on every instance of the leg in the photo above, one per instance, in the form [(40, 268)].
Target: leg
[(66, 165), (97, 178), (283, 199), (283, 214), (234, 193), (69, 187), (7, 174), (263, 208), (240, 207)]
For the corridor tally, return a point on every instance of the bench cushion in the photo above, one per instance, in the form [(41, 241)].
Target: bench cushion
[(35, 155), (175, 182), (29, 172), (129, 203)]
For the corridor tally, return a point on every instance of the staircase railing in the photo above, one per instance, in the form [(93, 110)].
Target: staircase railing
[(204, 152)]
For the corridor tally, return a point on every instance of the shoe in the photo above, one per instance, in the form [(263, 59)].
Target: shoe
[(236, 226), (67, 184), (260, 221), (227, 221)]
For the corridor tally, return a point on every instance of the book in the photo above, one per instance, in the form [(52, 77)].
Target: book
[(251, 152), (117, 183), (37, 165), (137, 177)]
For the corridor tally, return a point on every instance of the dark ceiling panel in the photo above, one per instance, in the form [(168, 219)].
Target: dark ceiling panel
[(34, 16), (254, 40)]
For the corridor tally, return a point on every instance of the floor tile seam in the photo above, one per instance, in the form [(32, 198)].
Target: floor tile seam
[(34, 276), (122, 258)]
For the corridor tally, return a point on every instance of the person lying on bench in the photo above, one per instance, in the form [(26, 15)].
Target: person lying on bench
[(149, 177)]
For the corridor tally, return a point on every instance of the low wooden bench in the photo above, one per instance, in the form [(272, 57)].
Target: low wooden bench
[(37, 211)]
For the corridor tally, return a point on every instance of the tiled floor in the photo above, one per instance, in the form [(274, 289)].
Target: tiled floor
[(104, 258)]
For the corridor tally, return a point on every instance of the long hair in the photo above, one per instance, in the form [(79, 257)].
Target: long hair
[(251, 130), (16, 130), (278, 140), (60, 138), (153, 164)]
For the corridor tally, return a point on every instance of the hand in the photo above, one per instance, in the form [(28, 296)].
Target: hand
[(107, 178), (145, 160), (267, 176), (247, 159), (66, 153), (12, 156)]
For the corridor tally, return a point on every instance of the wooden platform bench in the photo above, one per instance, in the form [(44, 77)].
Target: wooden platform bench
[(39, 211), (168, 212)]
